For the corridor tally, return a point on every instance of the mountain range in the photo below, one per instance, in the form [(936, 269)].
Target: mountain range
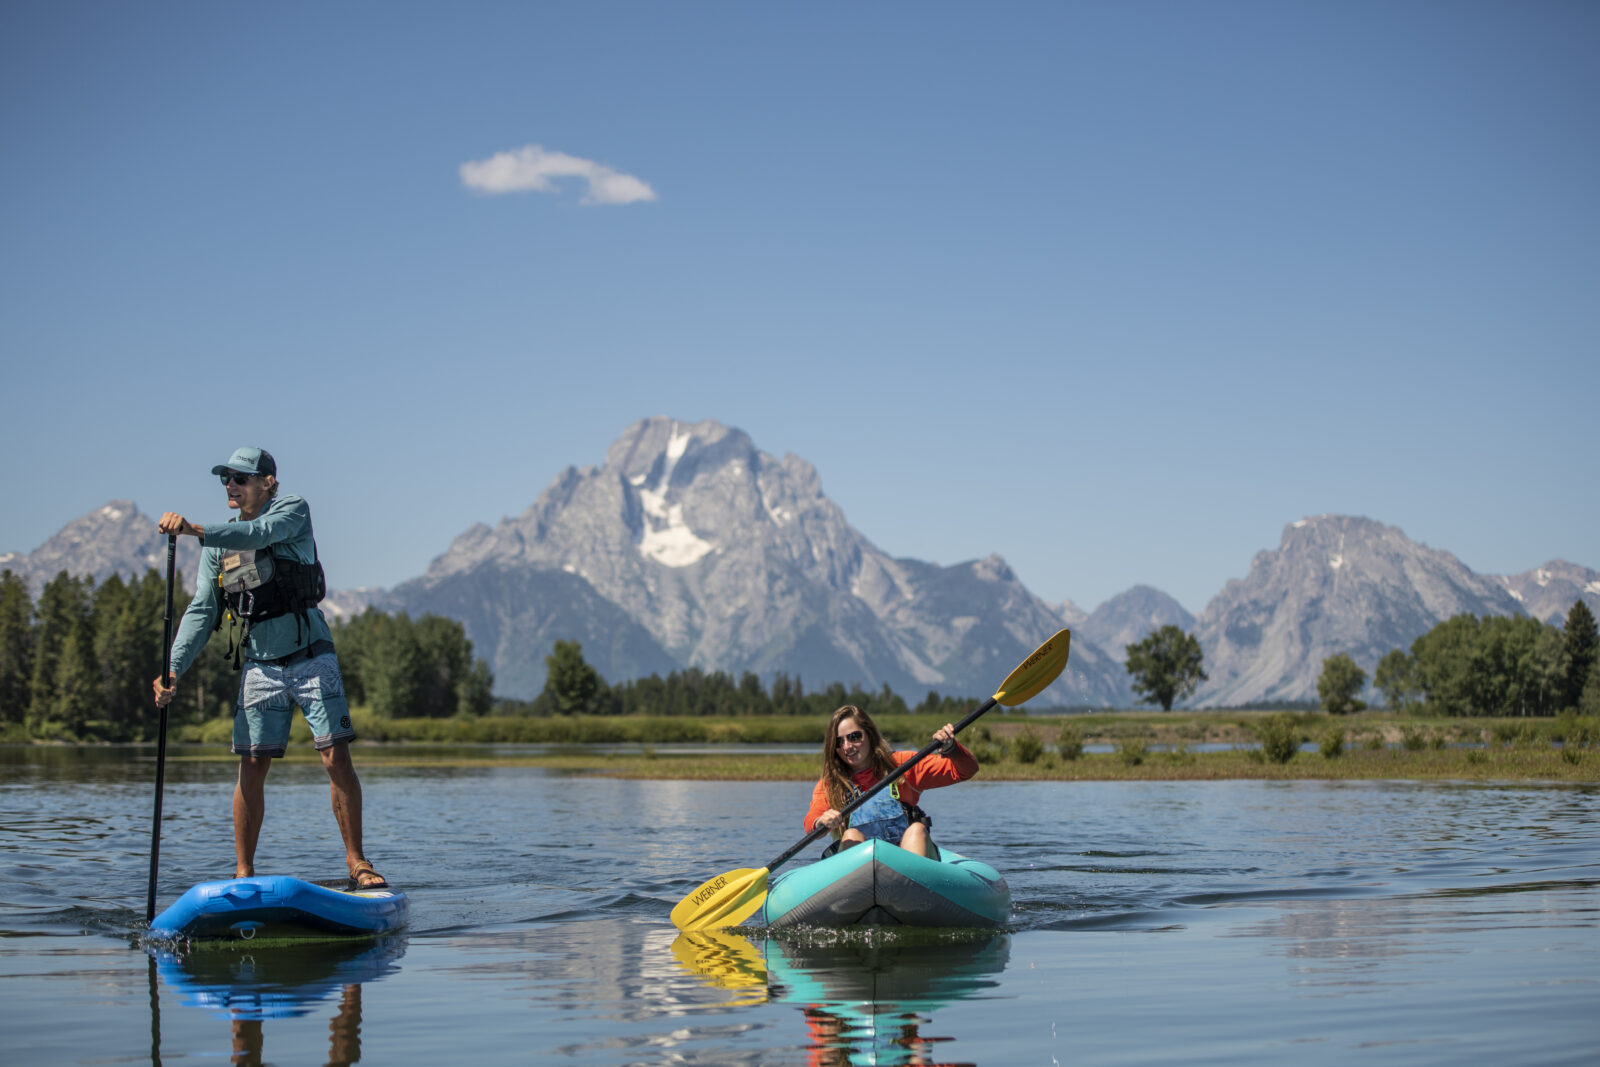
[(689, 547)]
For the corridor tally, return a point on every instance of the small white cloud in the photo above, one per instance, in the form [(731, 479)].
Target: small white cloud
[(532, 168)]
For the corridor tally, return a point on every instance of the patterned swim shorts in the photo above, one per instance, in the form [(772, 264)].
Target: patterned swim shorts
[(268, 693)]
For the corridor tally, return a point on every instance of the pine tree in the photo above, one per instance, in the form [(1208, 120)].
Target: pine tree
[(78, 690), (61, 601), (16, 647), (118, 652), (1580, 645)]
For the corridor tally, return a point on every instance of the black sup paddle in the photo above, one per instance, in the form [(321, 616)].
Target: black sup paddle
[(161, 744), (729, 899)]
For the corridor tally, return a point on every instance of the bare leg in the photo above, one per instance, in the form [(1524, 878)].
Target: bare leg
[(915, 839), (249, 810), (344, 788), (850, 839)]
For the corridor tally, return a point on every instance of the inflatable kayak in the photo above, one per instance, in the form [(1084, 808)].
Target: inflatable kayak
[(879, 884), (277, 906)]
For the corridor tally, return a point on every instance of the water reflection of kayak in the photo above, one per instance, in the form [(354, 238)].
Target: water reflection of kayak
[(879, 884), (274, 906), (866, 998), (910, 972), (280, 983), (906, 975)]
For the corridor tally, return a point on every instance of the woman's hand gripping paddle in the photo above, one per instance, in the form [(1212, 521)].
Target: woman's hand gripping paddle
[(730, 898)]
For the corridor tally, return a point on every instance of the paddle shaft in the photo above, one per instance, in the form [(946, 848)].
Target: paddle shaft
[(161, 742), (844, 813)]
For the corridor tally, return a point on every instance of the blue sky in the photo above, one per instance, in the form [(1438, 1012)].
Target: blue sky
[(1113, 290)]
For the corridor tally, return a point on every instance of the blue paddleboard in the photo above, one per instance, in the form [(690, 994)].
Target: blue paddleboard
[(273, 906)]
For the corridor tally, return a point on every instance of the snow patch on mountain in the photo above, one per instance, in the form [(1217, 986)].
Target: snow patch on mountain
[(666, 536)]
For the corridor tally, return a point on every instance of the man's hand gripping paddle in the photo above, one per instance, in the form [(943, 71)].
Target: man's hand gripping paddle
[(730, 898)]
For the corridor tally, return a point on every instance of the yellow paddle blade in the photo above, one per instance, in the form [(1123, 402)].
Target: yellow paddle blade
[(1036, 672), (725, 960), (726, 900)]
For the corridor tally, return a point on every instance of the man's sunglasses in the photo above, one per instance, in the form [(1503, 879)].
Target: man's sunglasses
[(854, 737), (236, 478)]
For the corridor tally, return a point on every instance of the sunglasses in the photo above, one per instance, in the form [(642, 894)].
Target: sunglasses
[(236, 478), (854, 737)]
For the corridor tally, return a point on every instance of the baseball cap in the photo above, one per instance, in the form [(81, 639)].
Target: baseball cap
[(249, 461)]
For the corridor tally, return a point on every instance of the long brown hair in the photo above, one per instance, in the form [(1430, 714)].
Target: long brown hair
[(836, 772)]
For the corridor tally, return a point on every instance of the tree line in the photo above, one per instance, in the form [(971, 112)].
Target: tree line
[(76, 665), (574, 687), (1496, 665)]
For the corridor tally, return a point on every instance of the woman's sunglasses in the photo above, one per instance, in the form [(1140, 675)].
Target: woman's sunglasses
[(854, 737), (235, 478)]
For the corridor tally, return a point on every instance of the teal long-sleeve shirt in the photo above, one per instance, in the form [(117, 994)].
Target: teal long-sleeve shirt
[(284, 525)]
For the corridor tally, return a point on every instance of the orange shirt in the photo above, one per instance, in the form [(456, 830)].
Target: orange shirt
[(931, 773)]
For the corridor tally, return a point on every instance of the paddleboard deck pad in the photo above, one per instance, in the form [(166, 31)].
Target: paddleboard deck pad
[(278, 906)]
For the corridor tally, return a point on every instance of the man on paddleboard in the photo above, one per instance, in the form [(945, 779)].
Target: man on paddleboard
[(855, 757), (260, 568)]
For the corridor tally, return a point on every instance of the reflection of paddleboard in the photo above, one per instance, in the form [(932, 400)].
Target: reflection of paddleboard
[(279, 906), (879, 884), (282, 983)]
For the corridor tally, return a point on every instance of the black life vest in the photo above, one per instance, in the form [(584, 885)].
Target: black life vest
[(258, 584)]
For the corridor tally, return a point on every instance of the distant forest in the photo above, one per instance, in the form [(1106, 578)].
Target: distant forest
[(76, 666)]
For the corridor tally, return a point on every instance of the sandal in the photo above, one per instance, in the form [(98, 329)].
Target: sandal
[(362, 868)]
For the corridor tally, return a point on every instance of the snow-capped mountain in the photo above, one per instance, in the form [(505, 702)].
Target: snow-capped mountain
[(689, 546), (1547, 593)]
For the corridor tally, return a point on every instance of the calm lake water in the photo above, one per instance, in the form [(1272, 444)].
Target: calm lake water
[(1205, 922)]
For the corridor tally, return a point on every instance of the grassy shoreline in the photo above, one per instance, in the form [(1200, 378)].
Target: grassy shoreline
[(1148, 746)]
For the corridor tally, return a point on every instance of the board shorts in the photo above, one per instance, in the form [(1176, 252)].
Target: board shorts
[(268, 693)]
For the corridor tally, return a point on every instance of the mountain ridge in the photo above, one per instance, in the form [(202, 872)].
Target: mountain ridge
[(689, 547)]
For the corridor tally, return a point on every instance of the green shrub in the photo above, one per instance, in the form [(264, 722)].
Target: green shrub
[(1373, 742), (1572, 754), (1477, 755), (1413, 738), (1132, 750), (1026, 746), (1332, 743), (1069, 742), (1577, 731), (1505, 733), (1279, 738), (987, 751)]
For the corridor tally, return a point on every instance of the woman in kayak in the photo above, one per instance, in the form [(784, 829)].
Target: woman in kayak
[(855, 757)]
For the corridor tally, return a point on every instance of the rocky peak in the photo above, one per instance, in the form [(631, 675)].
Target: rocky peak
[(1336, 584), (1548, 592), (116, 538), (1131, 616)]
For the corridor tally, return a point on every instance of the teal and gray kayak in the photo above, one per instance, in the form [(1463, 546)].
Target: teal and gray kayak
[(879, 884), (274, 906)]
